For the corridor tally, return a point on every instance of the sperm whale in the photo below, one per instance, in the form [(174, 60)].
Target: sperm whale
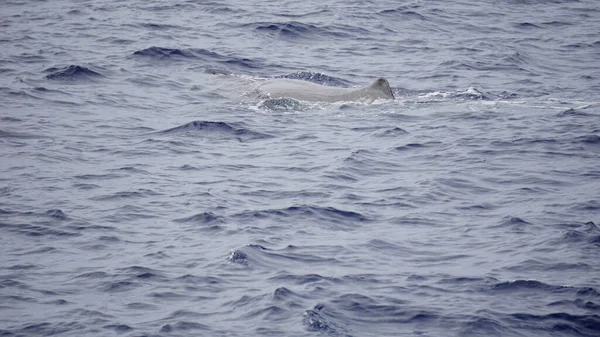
[(312, 92)]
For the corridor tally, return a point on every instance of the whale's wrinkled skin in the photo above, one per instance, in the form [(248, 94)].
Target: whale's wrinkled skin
[(311, 92)]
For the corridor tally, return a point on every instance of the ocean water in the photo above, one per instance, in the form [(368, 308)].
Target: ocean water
[(141, 194)]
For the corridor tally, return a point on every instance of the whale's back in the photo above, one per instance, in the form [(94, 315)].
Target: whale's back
[(308, 91)]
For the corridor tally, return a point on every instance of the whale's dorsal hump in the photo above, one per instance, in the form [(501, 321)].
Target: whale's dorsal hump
[(383, 85)]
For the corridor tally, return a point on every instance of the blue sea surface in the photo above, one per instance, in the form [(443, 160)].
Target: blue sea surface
[(146, 189)]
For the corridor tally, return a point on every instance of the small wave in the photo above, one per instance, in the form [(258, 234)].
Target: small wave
[(525, 285), (163, 53), (160, 54), (259, 256), (119, 328), (290, 29), (304, 279), (140, 193), (402, 13), (158, 26), (527, 25), (203, 218), (327, 215), (572, 112), (46, 329), (18, 135), (237, 256), (588, 233), (137, 272), (120, 286), (315, 321), (71, 73), (393, 132), (37, 231), (418, 146), (183, 326), (472, 94), (590, 139), (217, 129), (582, 325)]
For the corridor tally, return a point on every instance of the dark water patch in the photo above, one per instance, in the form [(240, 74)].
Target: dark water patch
[(220, 130), (71, 73), (318, 78)]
